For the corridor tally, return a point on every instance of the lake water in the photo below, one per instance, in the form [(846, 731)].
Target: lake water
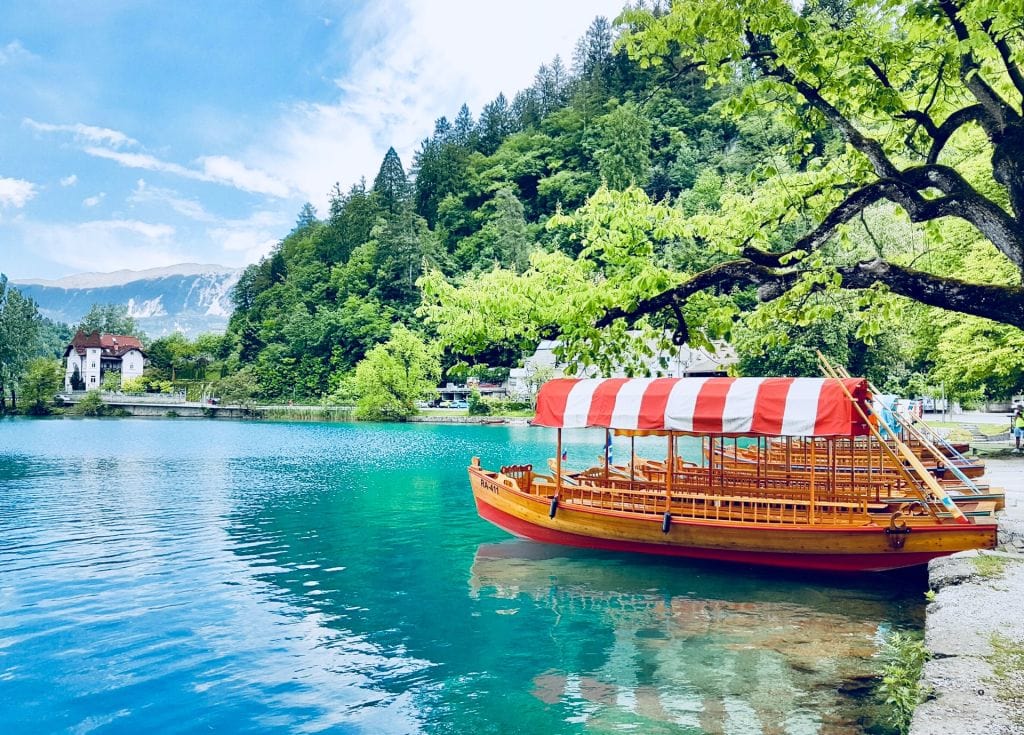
[(198, 576)]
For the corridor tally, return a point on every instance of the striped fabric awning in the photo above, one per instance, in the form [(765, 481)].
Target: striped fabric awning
[(734, 406)]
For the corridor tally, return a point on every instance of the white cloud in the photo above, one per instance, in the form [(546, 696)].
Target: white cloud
[(69, 180), (248, 239), (14, 52), (84, 133), (144, 193), (226, 170), (16, 192), (215, 169), (104, 245), (94, 200), (141, 160), (428, 59)]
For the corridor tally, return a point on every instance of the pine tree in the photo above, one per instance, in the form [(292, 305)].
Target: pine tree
[(307, 217), (511, 242), (391, 186), (494, 126), (464, 130), (352, 217), (594, 50)]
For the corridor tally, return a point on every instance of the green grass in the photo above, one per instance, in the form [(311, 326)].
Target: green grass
[(990, 566), (1007, 660)]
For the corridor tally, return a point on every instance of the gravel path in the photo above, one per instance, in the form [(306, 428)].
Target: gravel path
[(977, 617)]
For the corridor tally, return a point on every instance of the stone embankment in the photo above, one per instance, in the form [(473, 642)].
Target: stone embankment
[(975, 628)]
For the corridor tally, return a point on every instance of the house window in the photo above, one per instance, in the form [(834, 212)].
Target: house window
[(92, 379), (93, 363)]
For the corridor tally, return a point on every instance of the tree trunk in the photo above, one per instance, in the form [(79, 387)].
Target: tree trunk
[(1008, 167)]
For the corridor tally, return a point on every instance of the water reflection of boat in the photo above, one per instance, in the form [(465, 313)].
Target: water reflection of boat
[(798, 517), (739, 656)]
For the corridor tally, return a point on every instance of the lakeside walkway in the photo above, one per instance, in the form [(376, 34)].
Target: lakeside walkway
[(975, 627)]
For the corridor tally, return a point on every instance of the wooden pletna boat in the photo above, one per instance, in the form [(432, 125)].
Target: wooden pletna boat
[(816, 517)]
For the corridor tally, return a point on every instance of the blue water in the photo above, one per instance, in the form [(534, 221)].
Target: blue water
[(205, 576)]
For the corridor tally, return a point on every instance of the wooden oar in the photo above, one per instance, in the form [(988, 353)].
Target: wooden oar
[(923, 474), (925, 442)]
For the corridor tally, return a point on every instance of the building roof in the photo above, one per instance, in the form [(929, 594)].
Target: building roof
[(111, 345)]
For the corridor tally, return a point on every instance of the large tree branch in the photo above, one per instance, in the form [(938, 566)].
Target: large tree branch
[(1006, 54), (999, 303), (1003, 304), (961, 200), (854, 204), (999, 111), (942, 134), (771, 65), (722, 276)]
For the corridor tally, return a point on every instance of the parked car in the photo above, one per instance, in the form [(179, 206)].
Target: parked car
[(460, 404), (62, 398)]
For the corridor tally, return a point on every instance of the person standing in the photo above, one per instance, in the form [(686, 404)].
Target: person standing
[(1018, 427)]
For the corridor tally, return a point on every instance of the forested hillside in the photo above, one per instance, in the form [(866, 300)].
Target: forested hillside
[(616, 177)]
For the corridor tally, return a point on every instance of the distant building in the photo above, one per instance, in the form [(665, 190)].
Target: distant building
[(92, 355), (687, 363)]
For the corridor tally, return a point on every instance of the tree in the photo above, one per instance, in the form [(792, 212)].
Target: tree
[(623, 147), (594, 50), (43, 378), (391, 186), (307, 217), (171, 353), (109, 319), (111, 381), (19, 331), (925, 94), (394, 375), (77, 381), (494, 126), (240, 387), (504, 239), (463, 131)]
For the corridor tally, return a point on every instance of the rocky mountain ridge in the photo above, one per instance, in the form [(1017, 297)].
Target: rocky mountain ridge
[(190, 297)]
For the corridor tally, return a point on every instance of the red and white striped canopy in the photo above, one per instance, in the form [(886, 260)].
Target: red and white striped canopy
[(735, 406)]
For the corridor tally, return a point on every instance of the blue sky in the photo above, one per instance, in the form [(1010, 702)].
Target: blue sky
[(143, 134)]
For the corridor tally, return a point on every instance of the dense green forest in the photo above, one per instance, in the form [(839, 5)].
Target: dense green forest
[(779, 178)]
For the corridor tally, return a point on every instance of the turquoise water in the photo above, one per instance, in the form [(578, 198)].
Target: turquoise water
[(198, 576)]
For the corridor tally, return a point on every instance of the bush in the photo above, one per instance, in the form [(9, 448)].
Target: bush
[(92, 405), (478, 406), (135, 385), (904, 656), (38, 408)]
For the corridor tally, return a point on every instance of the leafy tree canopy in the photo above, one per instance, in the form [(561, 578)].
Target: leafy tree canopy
[(394, 375), (109, 319), (920, 92)]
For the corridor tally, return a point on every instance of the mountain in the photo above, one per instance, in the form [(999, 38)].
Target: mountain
[(188, 297)]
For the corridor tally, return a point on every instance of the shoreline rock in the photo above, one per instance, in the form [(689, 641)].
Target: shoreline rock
[(978, 606)]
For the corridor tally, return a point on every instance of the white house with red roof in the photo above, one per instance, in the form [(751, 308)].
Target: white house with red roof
[(92, 355)]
